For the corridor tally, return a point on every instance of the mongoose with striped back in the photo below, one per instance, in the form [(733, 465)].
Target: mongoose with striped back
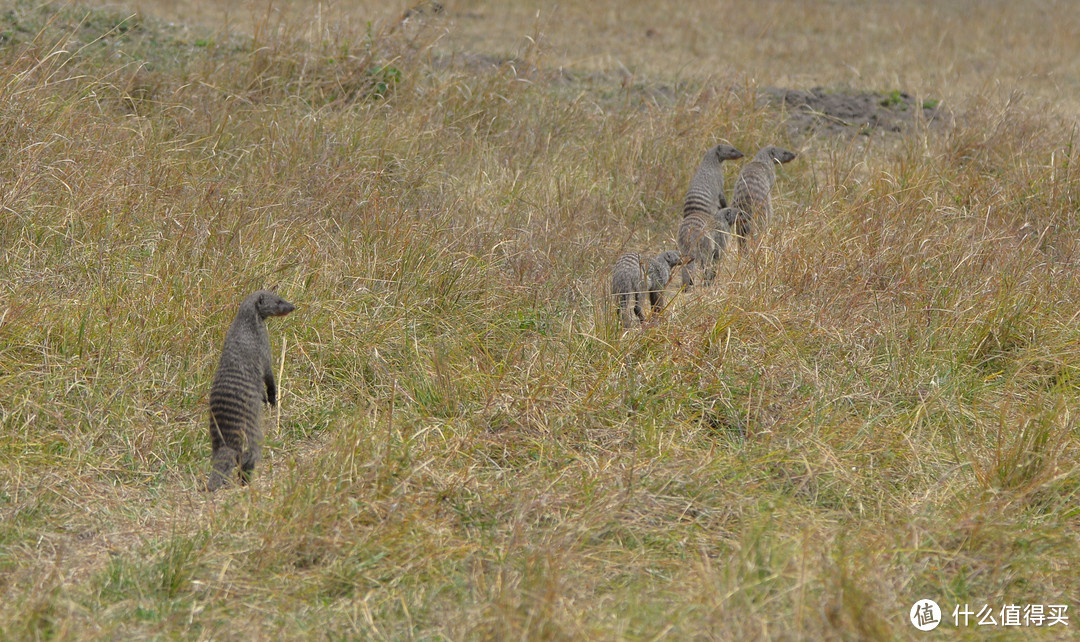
[(702, 240), (635, 276), (244, 381), (706, 191), (751, 193)]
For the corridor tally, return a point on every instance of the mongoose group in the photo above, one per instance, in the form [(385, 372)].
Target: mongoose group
[(703, 232), (244, 380)]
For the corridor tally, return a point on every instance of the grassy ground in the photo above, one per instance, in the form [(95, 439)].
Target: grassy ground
[(876, 407)]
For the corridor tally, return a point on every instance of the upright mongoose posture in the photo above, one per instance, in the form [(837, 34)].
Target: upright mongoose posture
[(751, 194), (243, 383), (635, 275), (702, 240), (706, 192)]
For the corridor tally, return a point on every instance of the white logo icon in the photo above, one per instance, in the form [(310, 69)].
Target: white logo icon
[(925, 615)]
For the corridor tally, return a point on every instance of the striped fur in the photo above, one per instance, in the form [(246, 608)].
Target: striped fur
[(706, 192), (752, 187), (635, 276), (702, 242), (244, 381)]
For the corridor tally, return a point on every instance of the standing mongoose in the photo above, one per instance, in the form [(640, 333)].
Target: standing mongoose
[(244, 381), (635, 275), (702, 240), (706, 192), (751, 194)]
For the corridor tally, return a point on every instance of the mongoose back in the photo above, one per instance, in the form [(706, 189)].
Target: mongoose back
[(634, 276), (702, 240), (751, 194), (706, 192), (244, 381)]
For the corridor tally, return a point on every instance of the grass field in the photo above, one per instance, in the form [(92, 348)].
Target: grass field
[(875, 407)]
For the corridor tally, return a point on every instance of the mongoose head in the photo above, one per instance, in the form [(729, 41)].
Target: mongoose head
[(671, 257), (268, 304), (724, 152), (776, 154), (728, 215)]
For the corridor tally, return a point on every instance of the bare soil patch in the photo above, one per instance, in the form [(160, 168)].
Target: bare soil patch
[(845, 112)]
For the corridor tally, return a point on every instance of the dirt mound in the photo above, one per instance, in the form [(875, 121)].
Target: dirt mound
[(841, 112)]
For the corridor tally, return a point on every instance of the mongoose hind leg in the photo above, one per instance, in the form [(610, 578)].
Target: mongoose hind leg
[(710, 274), (742, 232), (222, 465), (250, 457), (637, 307), (687, 279), (657, 301), (622, 302)]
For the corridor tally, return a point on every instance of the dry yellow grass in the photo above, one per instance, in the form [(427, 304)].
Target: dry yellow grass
[(878, 406)]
